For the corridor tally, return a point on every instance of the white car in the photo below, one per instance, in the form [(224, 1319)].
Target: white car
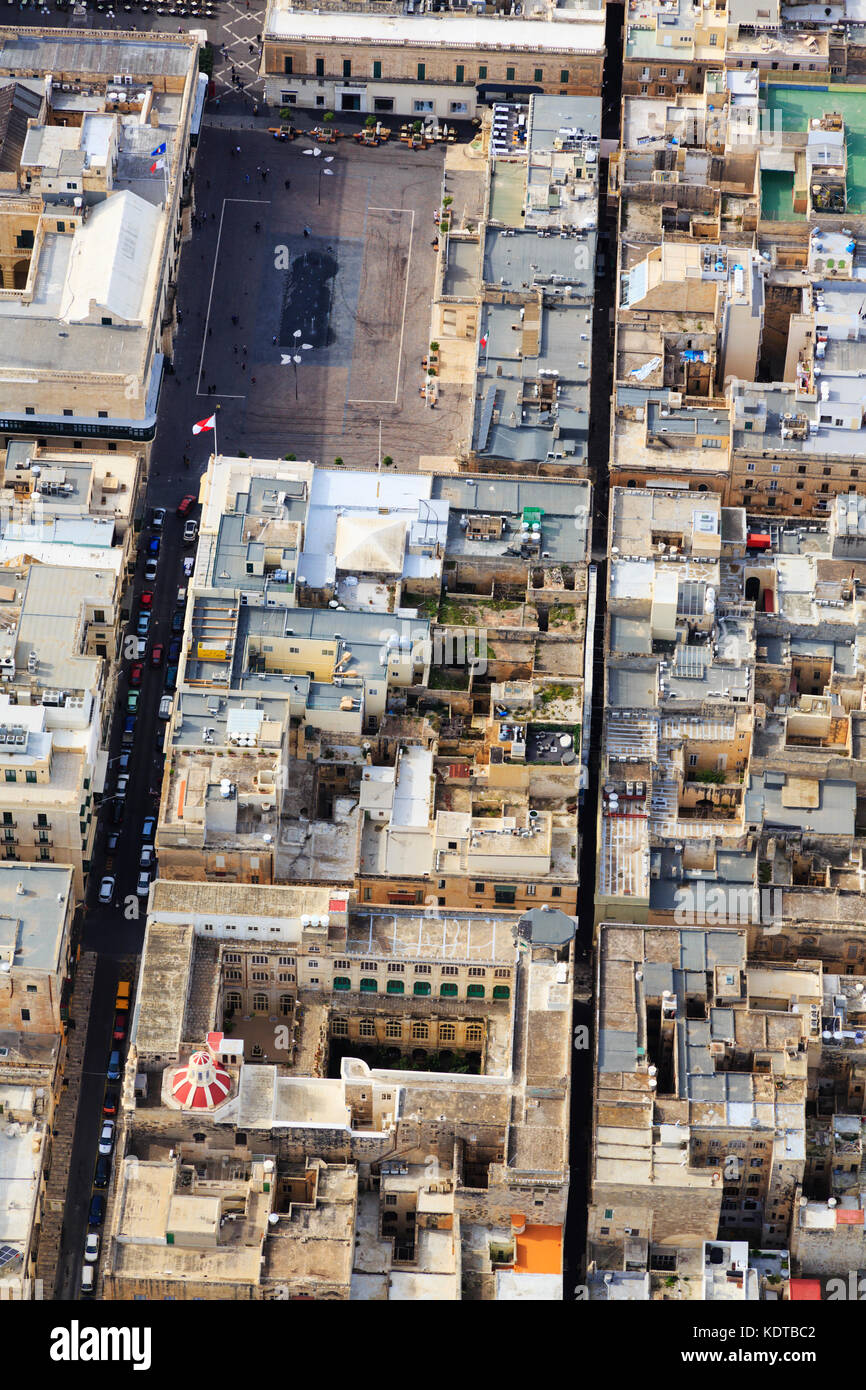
[(142, 888), (140, 648), (106, 1138), (91, 1248), (146, 858), (106, 889), (150, 569), (188, 565), (122, 783)]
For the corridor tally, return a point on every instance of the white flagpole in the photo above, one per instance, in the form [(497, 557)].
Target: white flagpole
[(215, 450)]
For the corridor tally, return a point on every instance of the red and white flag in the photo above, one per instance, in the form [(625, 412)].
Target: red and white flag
[(157, 164), (202, 425), (484, 340)]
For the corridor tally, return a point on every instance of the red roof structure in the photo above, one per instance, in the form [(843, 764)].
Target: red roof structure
[(202, 1083)]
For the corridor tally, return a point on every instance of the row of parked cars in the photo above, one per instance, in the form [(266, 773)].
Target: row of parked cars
[(105, 1146)]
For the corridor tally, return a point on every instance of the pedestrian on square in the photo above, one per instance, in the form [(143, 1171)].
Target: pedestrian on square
[(244, 349), (288, 184), (274, 340), (246, 178)]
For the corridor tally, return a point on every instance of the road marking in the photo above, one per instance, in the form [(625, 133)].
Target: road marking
[(396, 396), (265, 202)]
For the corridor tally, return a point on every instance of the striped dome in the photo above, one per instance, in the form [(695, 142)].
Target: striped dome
[(202, 1083)]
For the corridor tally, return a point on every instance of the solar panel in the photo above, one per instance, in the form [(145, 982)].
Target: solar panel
[(7, 1253)]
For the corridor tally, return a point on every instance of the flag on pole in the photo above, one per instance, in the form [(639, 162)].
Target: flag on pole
[(160, 149), (201, 426), (157, 164), (484, 340)]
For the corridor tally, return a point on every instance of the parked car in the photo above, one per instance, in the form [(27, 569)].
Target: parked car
[(157, 654), (185, 504), (190, 531), (177, 621), (113, 1071), (112, 842), (146, 858), (136, 671), (171, 678), (96, 1215), (140, 648), (132, 700), (109, 1104), (153, 545), (88, 1280), (188, 565), (106, 1137), (142, 887), (118, 810), (157, 518), (129, 724), (120, 1026), (123, 784), (165, 707), (174, 649), (150, 570), (106, 888), (180, 601), (123, 762), (103, 1171), (91, 1248), (143, 624), (148, 829)]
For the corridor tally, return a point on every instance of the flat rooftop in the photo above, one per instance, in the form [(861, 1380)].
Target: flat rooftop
[(462, 937), (578, 36), (32, 921)]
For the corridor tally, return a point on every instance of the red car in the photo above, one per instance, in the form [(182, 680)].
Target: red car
[(110, 1103), (147, 598), (184, 505), (157, 654), (136, 671), (119, 1027)]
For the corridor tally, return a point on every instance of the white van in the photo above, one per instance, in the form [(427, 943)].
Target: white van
[(88, 1281), (165, 707)]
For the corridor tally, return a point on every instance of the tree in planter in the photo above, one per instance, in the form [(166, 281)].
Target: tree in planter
[(416, 126), (290, 458), (387, 461), (338, 461), (370, 122), (447, 200), (285, 113), (434, 346), (328, 117)]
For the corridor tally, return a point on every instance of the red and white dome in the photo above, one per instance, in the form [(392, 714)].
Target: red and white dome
[(202, 1083)]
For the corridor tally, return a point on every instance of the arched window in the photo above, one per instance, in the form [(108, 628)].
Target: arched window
[(260, 1003), (234, 1002), (501, 992), (367, 1028), (368, 986), (420, 1032), (340, 1027), (421, 987), (342, 982), (474, 1032), (447, 990), (474, 991), (394, 987), (287, 1004)]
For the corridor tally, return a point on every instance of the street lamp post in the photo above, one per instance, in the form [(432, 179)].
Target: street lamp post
[(329, 159), (295, 357)]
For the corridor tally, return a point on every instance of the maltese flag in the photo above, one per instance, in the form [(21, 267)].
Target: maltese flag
[(484, 341), (157, 164), (202, 425)]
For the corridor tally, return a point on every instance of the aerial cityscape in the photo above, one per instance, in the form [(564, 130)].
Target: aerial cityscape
[(433, 652)]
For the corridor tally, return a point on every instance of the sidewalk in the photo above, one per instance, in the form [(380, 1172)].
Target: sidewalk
[(65, 1117)]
